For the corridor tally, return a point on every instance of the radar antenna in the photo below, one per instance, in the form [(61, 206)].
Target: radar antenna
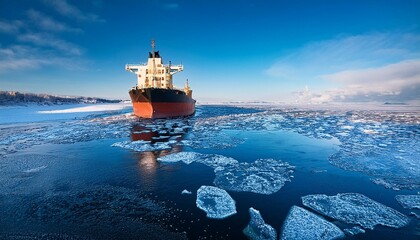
[(154, 63)]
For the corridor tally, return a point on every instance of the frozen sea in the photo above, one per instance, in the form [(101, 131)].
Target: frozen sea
[(228, 172)]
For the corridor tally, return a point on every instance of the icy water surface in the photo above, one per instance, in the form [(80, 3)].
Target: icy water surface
[(225, 173)]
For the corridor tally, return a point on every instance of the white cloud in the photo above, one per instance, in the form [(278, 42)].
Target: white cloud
[(393, 82), (10, 27), (369, 67), (49, 24), (348, 52), (47, 40), (21, 57), (71, 11), (18, 57), (37, 41), (22, 63)]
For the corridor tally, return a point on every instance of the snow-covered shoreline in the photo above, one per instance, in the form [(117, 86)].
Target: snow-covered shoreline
[(13, 98), (39, 113)]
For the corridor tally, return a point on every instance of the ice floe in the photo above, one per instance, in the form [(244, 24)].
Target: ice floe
[(380, 144), (216, 202), (264, 176), (142, 146), (34, 170), (257, 229), (185, 191), (302, 224), (212, 160), (355, 208), (354, 230), (409, 201), (15, 138)]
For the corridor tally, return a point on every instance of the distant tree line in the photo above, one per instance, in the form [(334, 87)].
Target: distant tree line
[(18, 98)]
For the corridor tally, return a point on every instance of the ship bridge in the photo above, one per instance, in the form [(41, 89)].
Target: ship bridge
[(154, 74)]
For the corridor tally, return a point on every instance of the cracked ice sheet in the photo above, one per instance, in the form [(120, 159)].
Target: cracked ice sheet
[(381, 144), (302, 224), (264, 176), (212, 160), (409, 201), (355, 208), (216, 202), (354, 230), (257, 229), (143, 146), (14, 138)]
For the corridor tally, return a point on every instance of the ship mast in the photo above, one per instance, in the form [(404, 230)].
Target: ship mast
[(154, 64)]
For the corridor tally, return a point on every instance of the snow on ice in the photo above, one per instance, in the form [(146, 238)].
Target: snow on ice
[(142, 146), (380, 144), (14, 138), (212, 160), (257, 229), (264, 176), (409, 201), (302, 224), (354, 230), (216, 202), (185, 191), (372, 142), (355, 208)]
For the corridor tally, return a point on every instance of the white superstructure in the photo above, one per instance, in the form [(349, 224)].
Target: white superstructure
[(154, 74)]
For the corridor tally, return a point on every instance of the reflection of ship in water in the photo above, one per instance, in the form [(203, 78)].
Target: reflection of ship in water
[(147, 161)]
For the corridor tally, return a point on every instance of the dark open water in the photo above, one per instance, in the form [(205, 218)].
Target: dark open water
[(89, 190)]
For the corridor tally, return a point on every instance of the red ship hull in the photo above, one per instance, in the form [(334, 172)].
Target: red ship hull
[(161, 103)]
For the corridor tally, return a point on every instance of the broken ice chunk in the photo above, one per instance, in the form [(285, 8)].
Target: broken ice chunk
[(355, 208), (415, 215), (34, 170), (264, 176), (185, 191), (257, 229), (354, 230), (302, 224), (409, 201), (216, 202), (186, 157), (211, 160), (142, 146)]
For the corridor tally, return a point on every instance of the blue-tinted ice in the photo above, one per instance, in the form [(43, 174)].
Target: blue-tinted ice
[(409, 201), (302, 224), (142, 146), (212, 160), (264, 176), (354, 230), (355, 208), (383, 145), (216, 202), (257, 229)]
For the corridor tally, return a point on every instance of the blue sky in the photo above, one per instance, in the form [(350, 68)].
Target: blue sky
[(282, 51)]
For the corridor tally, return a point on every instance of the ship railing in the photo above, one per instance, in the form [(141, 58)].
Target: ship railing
[(135, 65)]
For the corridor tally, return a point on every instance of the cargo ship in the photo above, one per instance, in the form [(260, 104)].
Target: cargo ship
[(154, 96)]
